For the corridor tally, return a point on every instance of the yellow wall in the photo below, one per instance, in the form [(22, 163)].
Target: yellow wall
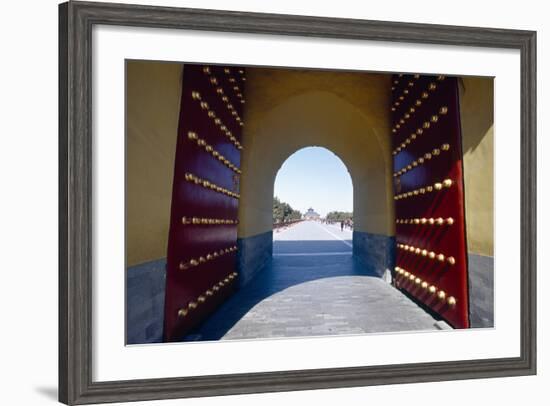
[(347, 113), (287, 110), (478, 142), (152, 109)]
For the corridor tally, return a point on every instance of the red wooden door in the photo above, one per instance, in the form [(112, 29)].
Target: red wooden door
[(431, 261), (202, 242)]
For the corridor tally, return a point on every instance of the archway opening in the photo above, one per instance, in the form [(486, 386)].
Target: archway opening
[(313, 205)]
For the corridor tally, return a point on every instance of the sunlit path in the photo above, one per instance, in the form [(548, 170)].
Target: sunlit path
[(313, 231), (313, 286)]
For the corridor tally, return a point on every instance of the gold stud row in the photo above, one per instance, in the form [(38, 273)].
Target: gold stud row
[(235, 87), (402, 97), (217, 121), (206, 70), (447, 183), (209, 257), (441, 294), (431, 87), (189, 177), (207, 221), (241, 72), (192, 305), (243, 78), (426, 157), (229, 106), (406, 116), (409, 84), (396, 82), (420, 130), (427, 221), (225, 99), (208, 148), (406, 91), (426, 253)]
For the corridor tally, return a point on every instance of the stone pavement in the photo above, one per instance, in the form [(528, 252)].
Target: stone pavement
[(313, 286)]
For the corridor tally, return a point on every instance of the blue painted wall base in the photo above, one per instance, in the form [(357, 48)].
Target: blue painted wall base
[(253, 254), (145, 288), (376, 252)]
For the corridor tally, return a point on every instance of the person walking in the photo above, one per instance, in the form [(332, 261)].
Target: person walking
[(342, 225)]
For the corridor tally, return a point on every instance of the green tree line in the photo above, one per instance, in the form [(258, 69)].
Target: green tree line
[(338, 216), (283, 212)]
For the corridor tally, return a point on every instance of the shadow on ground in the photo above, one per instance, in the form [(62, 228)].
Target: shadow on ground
[(310, 247), (293, 263)]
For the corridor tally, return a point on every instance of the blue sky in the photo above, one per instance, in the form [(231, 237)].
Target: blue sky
[(315, 177)]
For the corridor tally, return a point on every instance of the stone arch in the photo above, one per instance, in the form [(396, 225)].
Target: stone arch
[(315, 119), (277, 125)]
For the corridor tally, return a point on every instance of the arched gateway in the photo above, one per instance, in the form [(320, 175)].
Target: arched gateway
[(235, 128)]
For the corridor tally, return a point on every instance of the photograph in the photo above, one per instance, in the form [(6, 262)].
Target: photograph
[(286, 202)]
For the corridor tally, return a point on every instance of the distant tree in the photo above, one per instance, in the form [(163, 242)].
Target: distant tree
[(295, 215), (337, 216), (277, 210), (283, 212)]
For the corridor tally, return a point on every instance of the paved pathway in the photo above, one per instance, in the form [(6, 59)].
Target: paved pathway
[(312, 287)]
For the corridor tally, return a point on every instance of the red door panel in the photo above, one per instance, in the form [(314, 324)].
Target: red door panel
[(202, 241), (428, 194)]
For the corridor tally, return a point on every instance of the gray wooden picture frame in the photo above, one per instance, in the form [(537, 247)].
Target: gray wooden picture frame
[(76, 20)]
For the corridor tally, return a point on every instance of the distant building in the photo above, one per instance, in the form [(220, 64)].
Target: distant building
[(311, 215)]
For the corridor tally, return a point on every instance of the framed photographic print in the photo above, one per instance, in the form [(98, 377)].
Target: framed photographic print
[(256, 202)]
